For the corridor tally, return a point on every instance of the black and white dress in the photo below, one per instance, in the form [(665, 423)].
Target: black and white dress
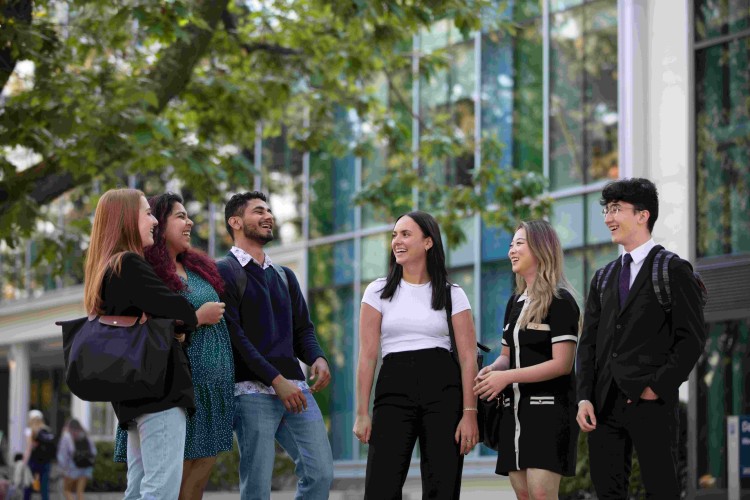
[(538, 427)]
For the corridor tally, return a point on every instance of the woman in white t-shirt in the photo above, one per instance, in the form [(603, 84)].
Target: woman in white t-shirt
[(422, 394)]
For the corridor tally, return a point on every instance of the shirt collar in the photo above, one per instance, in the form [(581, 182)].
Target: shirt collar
[(640, 253), (244, 258)]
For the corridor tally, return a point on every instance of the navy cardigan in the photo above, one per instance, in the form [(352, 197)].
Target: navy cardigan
[(269, 325)]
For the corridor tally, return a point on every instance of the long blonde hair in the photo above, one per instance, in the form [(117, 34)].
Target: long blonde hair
[(550, 278), (114, 232)]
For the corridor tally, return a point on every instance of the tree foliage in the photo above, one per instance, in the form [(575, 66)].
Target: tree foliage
[(175, 89)]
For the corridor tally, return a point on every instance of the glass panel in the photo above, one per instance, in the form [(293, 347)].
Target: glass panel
[(566, 99), (720, 17), (343, 263), (332, 312), (723, 148), (331, 189), (283, 183), (528, 129), (463, 254), (573, 267), (600, 65), (449, 95), (567, 219), (320, 266), (596, 230), (583, 95), (495, 243), (722, 377), (376, 252), (464, 277)]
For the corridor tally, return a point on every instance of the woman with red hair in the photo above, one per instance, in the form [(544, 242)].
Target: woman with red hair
[(120, 282), (194, 275)]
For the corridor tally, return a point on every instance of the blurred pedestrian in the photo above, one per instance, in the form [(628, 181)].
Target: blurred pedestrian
[(75, 459), (422, 394), (533, 376), (38, 454)]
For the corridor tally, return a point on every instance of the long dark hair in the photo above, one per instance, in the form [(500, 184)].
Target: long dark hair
[(435, 262), (193, 260)]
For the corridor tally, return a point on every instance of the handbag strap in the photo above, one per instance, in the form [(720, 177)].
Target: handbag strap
[(122, 321)]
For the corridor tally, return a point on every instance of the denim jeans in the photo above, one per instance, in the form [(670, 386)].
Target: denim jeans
[(156, 446), (261, 418)]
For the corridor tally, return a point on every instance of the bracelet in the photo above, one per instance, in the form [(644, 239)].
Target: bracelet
[(469, 408)]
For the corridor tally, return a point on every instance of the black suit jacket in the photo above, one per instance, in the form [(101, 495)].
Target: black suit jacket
[(640, 346)]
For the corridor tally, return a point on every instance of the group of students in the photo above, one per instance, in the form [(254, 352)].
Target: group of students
[(615, 374), (242, 327), (246, 327)]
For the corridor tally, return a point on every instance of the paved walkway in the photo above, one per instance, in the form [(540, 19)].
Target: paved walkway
[(473, 489)]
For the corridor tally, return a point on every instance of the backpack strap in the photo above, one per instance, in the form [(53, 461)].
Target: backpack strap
[(660, 278), (282, 274), (240, 278), (602, 277)]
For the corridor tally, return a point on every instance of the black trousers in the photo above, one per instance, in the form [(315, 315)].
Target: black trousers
[(417, 397), (652, 427)]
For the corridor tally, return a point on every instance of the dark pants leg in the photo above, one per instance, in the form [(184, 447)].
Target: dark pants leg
[(395, 427), (441, 459), (654, 427), (611, 449), (417, 396)]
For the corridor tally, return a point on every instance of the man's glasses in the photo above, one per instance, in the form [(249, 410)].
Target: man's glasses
[(615, 209)]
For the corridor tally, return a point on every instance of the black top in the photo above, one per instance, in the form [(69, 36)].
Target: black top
[(138, 289), (534, 343), (269, 324)]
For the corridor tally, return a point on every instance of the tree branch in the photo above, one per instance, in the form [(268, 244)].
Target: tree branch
[(44, 182), (230, 25)]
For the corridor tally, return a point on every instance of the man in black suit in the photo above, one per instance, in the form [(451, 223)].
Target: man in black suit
[(633, 355)]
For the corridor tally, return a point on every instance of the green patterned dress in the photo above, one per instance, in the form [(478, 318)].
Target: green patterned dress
[(209, 429)]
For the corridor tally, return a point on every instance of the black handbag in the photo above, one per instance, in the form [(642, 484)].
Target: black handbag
[(488, 412), (117, 358)]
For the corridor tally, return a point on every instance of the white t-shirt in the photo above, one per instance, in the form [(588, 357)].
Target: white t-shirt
[(409, 322)]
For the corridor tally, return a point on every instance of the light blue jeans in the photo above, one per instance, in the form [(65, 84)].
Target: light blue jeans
[(156, 446), (261, 418)]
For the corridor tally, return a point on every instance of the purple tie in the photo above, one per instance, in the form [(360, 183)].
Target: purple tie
[(625, 278)]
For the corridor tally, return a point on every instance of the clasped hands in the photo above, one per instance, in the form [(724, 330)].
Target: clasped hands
[(489, 383)]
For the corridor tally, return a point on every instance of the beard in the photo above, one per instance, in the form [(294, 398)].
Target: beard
[(263, 235)]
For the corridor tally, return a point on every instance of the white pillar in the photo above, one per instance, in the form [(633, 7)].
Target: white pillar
[(669, 116), (81, 411), (19, 366)]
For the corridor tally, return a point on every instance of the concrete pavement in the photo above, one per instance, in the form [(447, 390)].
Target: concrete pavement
[(473, 489)]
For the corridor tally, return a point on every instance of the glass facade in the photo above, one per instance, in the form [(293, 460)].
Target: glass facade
[(722, 159)]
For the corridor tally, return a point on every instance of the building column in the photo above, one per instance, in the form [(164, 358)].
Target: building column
[(19, 384), (81, 411)]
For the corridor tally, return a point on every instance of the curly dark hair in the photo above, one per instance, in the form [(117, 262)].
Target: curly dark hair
[(193, 260), (639, 192), (236, 206)]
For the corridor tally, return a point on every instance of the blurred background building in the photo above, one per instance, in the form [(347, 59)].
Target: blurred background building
[(585, 92)]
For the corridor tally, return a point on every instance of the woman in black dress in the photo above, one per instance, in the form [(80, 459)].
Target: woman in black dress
[(533, 376)]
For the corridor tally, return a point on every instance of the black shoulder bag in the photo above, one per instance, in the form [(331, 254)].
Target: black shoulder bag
[(488, 412)]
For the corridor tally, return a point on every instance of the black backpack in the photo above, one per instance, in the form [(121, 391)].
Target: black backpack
[(659, 279), (82, 455), (45, 450)]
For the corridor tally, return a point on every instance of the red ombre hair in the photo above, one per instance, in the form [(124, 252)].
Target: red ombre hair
[(114, 232), (193, 260)]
